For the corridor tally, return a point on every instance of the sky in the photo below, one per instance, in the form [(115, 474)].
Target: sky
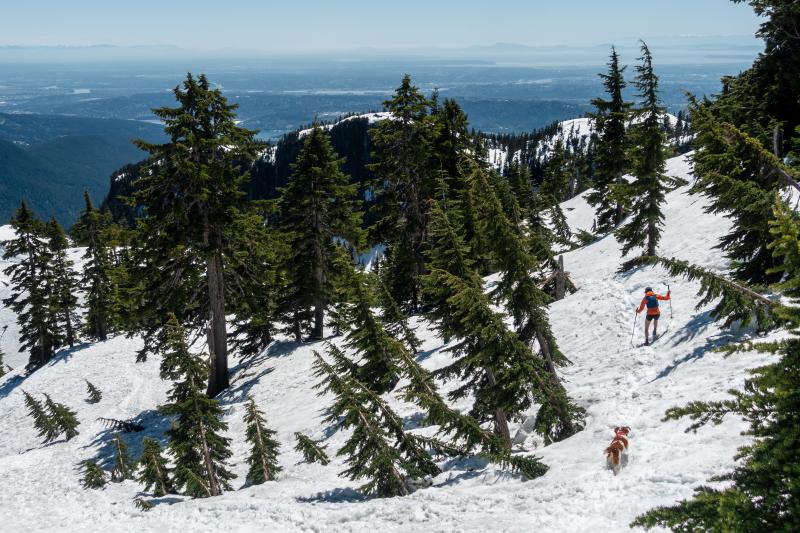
[(328, 25)]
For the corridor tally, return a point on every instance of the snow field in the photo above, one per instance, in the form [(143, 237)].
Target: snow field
[(617, 385)]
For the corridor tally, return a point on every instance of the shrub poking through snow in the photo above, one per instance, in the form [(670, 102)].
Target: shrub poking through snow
[(122, 462), (94, 393), (94, 477), (263, 459), (63, 418), (154, 473)]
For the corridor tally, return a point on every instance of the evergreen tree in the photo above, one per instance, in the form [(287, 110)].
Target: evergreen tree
[(519, 177), (44, 424), (313, 451), (395, 321), (376, 350), (94, 393), (452, 141), (91, 230), (318, 205), (62, 418), (405, 180), (94, 477), (123, 466), (647, 192), (64, 297), (263, 459), (154, 472), (610, 148), (195, 439), (191, 196), (378, 449), (558, 418), (32, 283), (555, 184)]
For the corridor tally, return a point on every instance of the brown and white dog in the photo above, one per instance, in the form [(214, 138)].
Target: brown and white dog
[(617, 448)]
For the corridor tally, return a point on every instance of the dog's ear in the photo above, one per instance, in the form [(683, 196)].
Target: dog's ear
[(616, 430)]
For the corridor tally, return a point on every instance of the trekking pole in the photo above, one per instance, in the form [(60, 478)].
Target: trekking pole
[(635, 317), (670, 302)]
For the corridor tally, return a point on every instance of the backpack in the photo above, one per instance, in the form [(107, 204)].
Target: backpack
[(652, 301)]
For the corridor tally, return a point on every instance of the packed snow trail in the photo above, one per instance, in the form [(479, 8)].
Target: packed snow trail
[(615, 383)]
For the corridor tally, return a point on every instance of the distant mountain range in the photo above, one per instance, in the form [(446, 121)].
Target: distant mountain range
[(50, 160)]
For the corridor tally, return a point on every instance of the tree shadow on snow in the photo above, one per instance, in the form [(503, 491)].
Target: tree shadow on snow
[(698, 353), (155, 424), (461, 469), (241, 385), (10, 384), (345, 495), (62, 355)]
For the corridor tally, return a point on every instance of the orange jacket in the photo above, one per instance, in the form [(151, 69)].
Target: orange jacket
[(652, 310)]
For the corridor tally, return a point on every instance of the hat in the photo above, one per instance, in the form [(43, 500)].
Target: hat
[(648, 289)]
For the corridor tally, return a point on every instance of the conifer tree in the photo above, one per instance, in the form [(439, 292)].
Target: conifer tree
[(94, 393), (318, 205), (375, 349), (405, 180), (263, 458), (394, 320), (94, 477), (195, 439), (647, 192), (555, 184), (31, 281), (64, 293), (313, 451), (558, 417), (191, 196), (44, 424), (91, 230), (452, 141), (154, 472), (519, 177), (61, 417), (2, 364), (123, 466), (610, 148), (379, 449)]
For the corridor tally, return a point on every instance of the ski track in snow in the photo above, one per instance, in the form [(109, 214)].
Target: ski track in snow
[(615, 383)]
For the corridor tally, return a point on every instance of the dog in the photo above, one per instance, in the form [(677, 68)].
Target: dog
[(617, 448)]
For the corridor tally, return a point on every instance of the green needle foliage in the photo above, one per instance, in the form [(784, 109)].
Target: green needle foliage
[(195, 439), (64, 294), (123, 466), (44, 424), (378, 449), (94, 477), (611, 156), (154, 472), (32, 287), (313, 451), (263, 458), (94, 393), (62, 418)]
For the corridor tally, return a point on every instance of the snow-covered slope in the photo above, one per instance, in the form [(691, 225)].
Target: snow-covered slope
[(616, 383)]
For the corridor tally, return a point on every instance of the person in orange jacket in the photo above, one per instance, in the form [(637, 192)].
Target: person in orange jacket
[(650, 301)]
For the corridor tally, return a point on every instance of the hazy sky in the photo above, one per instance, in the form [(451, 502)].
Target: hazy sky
[(311, 25)]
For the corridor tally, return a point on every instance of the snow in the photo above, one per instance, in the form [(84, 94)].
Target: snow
[(372, 118), (615, 383)]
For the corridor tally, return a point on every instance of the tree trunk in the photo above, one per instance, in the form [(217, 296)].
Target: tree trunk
[(217, 332), (500, 418), (70, 331), (319, 304), (561, 280), (211, 471), (652, 232)]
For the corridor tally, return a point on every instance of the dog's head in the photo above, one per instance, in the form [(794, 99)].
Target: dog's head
[(622, 430)]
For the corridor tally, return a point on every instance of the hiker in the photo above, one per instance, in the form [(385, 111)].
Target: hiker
[(653, 313)]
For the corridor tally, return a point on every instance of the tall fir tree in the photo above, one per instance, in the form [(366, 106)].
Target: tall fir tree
[(195, 438), (32, 282), (318, 206), (647, 192), (91, 231), (611, 161), (64, 294), (263, 458), (154, 471), (192, 197), (395, 320), (403, 148), (46, 427), (558, 418), (378, 449)]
